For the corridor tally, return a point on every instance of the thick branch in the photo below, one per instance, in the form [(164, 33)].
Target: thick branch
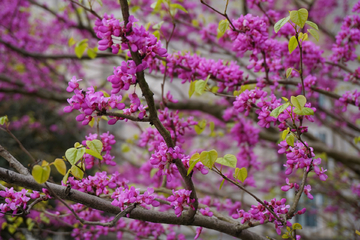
[(13, 162), (137, 213)]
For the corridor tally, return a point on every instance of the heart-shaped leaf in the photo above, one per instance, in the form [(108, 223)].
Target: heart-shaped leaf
[(292, 44), (60, 166), (41, 173), (74, 154), (241, 174), (281, 23), (299, 17), (208, 158), (228, 160)]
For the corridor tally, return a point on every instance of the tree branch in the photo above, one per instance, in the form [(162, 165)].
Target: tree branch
[(137, 213)]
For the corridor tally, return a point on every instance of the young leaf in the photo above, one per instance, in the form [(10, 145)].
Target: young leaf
[(91, 52), (312, 24), (74, 154), (200, 127), (305, 37), (292, 44), (290, 139), (298, 101), (192, 164), (77, 172), (285, 133), (221, 184), (277, 111), (228, 160), (288, 72), (3, 120), (357, 232), (80, 48), (178, 6), (297, 226), (65, 178), (71, 42), (60, 166), (314, 33), (95, 145), (299, 17), (94, 154), (192, 88), (241, 174), (281, 23), (208, 158), (304, 111), (158, 25), (200, 87), (223, 26), (41, 173)]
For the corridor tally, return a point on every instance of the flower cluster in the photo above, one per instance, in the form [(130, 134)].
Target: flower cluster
[(347, 40), (179, 199), (348, 97), (301, 156), (251, 34), (289, 186), (125, 196), (92, 184), (17, 201), (163, 156), (190, 67), (88, 102), (131, 35), (247, 100), (260, 214)]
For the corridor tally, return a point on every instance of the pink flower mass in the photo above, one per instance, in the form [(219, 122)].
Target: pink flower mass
[(179, 119)]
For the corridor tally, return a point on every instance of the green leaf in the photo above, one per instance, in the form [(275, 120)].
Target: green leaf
[(77, 172), (192, 88), (157, 34), (290, 139), (312, 24), (285, 99), (241, 174), (292, 44), (60, 166), (305, 111), (285, 236), (212, 127), (80, 48), (223, 26), (281, 23), (156, 5), (221, 184), (277, 111), (178, 6), (65, 178), (91, 52), (298, 101), (200, 127), (74, 154), (200, 86), (71, 41), (357, 232), (158, 25), (94, 154), (208, 158), (41, 173), (195, 158), (95, 145), (297, 226), (228, 160), (3, 120), (125, 148), (285, 133), (288, 72), (314, 33), (299, 17)]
